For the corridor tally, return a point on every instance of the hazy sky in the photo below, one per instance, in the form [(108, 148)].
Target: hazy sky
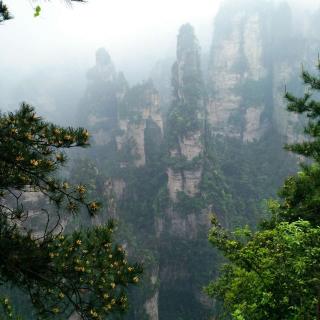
[(129, 29), (124, 27), (61, 42), (47, 53)]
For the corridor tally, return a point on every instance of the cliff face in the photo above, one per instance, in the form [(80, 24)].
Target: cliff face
[(104, 90), (127, 133), (118, 116), (213, 145), (255, 52), (148, 174), (185, 142), (237, 65), (181, 221), (186, 117), (139, 108)]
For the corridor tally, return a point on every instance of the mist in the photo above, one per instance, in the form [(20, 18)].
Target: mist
[(186, 106), (43, 56), (48, 55)]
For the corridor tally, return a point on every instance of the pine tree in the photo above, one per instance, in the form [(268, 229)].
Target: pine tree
[(82, 271), (5, 14), (300, 193)]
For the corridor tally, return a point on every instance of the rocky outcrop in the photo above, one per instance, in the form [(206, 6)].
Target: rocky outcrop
[(161, 75), (191, 145), (140, 105), (282, 75), (253, 48), (192, 180), (117, 114), (288, 124), (104, 69), (151, 307), (165, 178), (152, 304), (127, 131), (132, 133), (220, 111), (98, 108), (253, 128), (187, 105), (186, 181), (237, 66), (256, 51), (118, 186), (189, 148), (175, 183), (223, 78), (188, 226)]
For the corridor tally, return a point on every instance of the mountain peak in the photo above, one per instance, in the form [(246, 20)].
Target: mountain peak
[(103, 57), (104, 69)]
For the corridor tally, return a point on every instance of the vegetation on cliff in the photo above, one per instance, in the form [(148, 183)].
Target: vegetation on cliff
[(274, 273), (219, 149)]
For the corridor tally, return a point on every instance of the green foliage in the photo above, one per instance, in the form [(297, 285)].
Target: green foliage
[(37, 11), (273, 273), (30, 155), (186, 204), (238, 189), (7, 309), (178, 163), (182, 119), (62, 273), (234, 189), (301, 196), (188, 266), (311, 108), (186, 110), (135, 101), (4, 12)]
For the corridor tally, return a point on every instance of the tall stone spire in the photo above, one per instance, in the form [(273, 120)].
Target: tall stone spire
[(185, 118)]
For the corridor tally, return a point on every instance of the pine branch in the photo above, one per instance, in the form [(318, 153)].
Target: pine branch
[(4, 12)]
